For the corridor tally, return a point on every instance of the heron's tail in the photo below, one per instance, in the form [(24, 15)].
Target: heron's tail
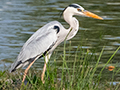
[(19, 64)]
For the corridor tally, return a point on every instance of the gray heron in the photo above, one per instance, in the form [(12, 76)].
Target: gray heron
[(47, 38)]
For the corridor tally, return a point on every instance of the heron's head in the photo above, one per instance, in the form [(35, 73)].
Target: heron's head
[(75, 9)]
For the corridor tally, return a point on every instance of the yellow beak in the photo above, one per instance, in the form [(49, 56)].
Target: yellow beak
[(89, 14)]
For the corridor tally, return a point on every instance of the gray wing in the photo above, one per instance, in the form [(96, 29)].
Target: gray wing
[(37, 44)]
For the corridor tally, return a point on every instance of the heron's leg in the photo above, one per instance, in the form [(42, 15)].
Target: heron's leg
[(44, 68), (43, 73), (26, 70)]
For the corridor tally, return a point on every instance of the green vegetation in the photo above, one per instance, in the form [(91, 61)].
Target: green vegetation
[(80, 75)]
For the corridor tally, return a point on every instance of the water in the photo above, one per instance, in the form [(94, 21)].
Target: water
[(19, 19)]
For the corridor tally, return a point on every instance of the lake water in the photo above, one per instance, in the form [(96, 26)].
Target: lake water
[(19, 19)]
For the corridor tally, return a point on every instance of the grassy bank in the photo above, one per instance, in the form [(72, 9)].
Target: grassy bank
[(80, 75)]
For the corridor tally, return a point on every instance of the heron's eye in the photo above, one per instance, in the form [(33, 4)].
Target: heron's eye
[(79, 10)]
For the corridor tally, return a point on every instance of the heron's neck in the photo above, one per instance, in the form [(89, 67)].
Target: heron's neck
[(74, 25)]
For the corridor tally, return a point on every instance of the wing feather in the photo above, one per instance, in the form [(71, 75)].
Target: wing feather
[(37, 44)]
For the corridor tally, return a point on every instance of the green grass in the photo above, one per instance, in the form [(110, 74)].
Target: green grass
[(80, 75)]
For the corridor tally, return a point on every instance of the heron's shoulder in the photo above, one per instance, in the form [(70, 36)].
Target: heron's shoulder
[(49, 27)]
